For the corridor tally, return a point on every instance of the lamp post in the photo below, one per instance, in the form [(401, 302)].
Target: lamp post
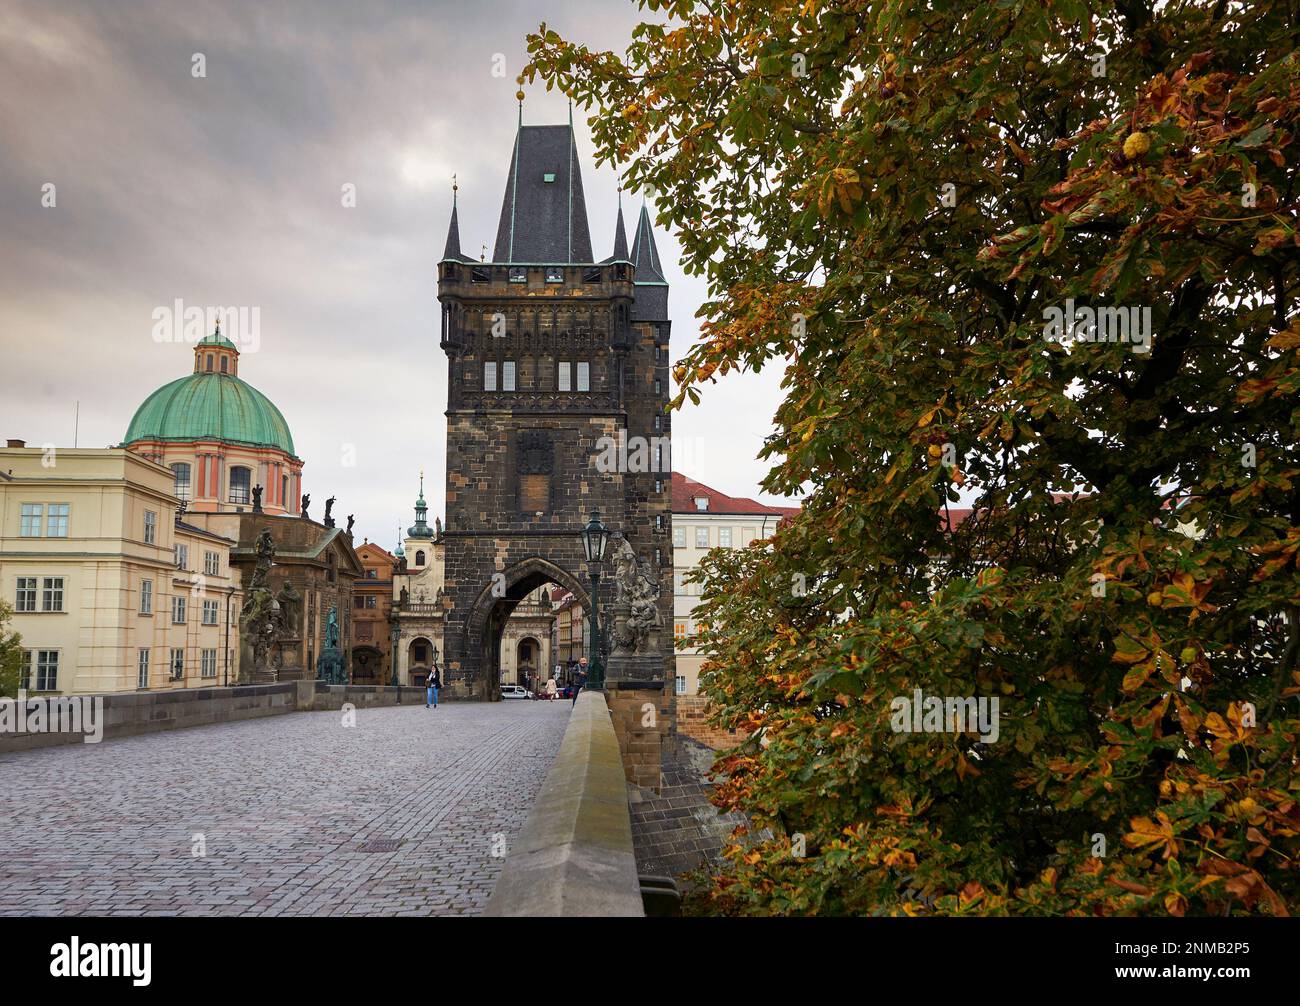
[(595, 536), (396, 683)]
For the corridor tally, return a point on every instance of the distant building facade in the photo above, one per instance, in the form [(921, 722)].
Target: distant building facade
[(372, 614), (704, 518), (111, 591)]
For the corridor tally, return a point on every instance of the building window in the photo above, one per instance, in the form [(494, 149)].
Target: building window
[(212, 563), (241, 483), (284, 492), (178, 664), (25, 599), (209, 612), (372, 601), (681, 684), (584, 376), (701, 503), (30, 526), (659, 422), (508, 375), (679, 630), (701, 537), (489, 375), (47, 670), (359, 602), (372, 574), (659, 485), (420, 653), (52, 594), (142, 669), (178, 609), (419, 557), (562, 377), (659, 522), (679, 584), (518, 275), (679, 536), (658, 384), (554, 274), (224, 361), (181, 480), (146, 597), (182, 556), (150, 527), (209, 363), (208, 663), (724, 537), (56, 520)]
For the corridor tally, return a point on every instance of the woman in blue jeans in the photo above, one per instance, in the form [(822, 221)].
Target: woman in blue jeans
[(432, 684)]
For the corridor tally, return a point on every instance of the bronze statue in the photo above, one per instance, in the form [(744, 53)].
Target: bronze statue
[(257, 499), (351, 521), (306, 501), (329, 509)]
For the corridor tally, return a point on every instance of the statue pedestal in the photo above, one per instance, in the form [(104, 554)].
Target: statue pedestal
[(639, 705)]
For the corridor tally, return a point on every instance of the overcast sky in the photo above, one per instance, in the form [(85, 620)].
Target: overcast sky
[(227, 190)]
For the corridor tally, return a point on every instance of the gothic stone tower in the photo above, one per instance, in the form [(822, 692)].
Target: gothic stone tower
[(556, 364)]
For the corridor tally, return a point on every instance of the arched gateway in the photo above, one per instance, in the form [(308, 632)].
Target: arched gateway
[(557, 376)]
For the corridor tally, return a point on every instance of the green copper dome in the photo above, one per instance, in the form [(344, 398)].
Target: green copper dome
[(211, 407)]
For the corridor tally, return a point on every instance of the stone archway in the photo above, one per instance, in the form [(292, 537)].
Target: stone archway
[(490, 610)]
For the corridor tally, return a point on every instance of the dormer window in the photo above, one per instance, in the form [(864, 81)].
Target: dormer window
[(548, 177), (518, 275), (554, 274), (701, 503)]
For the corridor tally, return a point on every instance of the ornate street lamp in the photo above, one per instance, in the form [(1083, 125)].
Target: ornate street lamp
[(396, 683), (595, 536)]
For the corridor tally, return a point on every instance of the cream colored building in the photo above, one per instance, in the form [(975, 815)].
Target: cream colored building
[(703, 519), (111, 591)]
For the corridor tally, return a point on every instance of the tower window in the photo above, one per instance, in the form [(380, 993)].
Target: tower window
[(508, 375), (419, 557), (224, 361), (490, 375), (562, 379), (209, 363), (584, 376)]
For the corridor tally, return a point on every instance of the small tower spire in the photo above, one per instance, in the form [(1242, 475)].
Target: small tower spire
[(620, 233), (452, 251)]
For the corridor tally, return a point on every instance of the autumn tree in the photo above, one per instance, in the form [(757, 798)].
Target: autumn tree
[(11, 655), (920, 207)]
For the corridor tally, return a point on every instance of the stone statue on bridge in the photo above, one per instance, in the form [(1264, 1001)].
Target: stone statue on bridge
[(330, 667)]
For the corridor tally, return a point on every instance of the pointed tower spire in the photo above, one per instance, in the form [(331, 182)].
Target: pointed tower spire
[(649, 284), (620, 234), (421, 527), (645, 254), (452, 251)]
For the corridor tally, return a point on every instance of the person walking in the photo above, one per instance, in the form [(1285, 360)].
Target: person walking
[(431, 685), (579, 679)]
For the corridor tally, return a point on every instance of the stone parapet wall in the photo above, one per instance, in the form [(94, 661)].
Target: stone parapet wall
[(126, 714), (574, 857), (692, 720)]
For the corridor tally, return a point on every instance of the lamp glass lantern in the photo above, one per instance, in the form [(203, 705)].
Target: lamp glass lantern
[(595, 536)]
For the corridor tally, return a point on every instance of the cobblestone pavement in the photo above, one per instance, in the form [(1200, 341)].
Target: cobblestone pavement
[(267, 816)]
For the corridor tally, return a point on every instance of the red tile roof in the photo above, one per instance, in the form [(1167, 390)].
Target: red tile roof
[(685, 491)]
